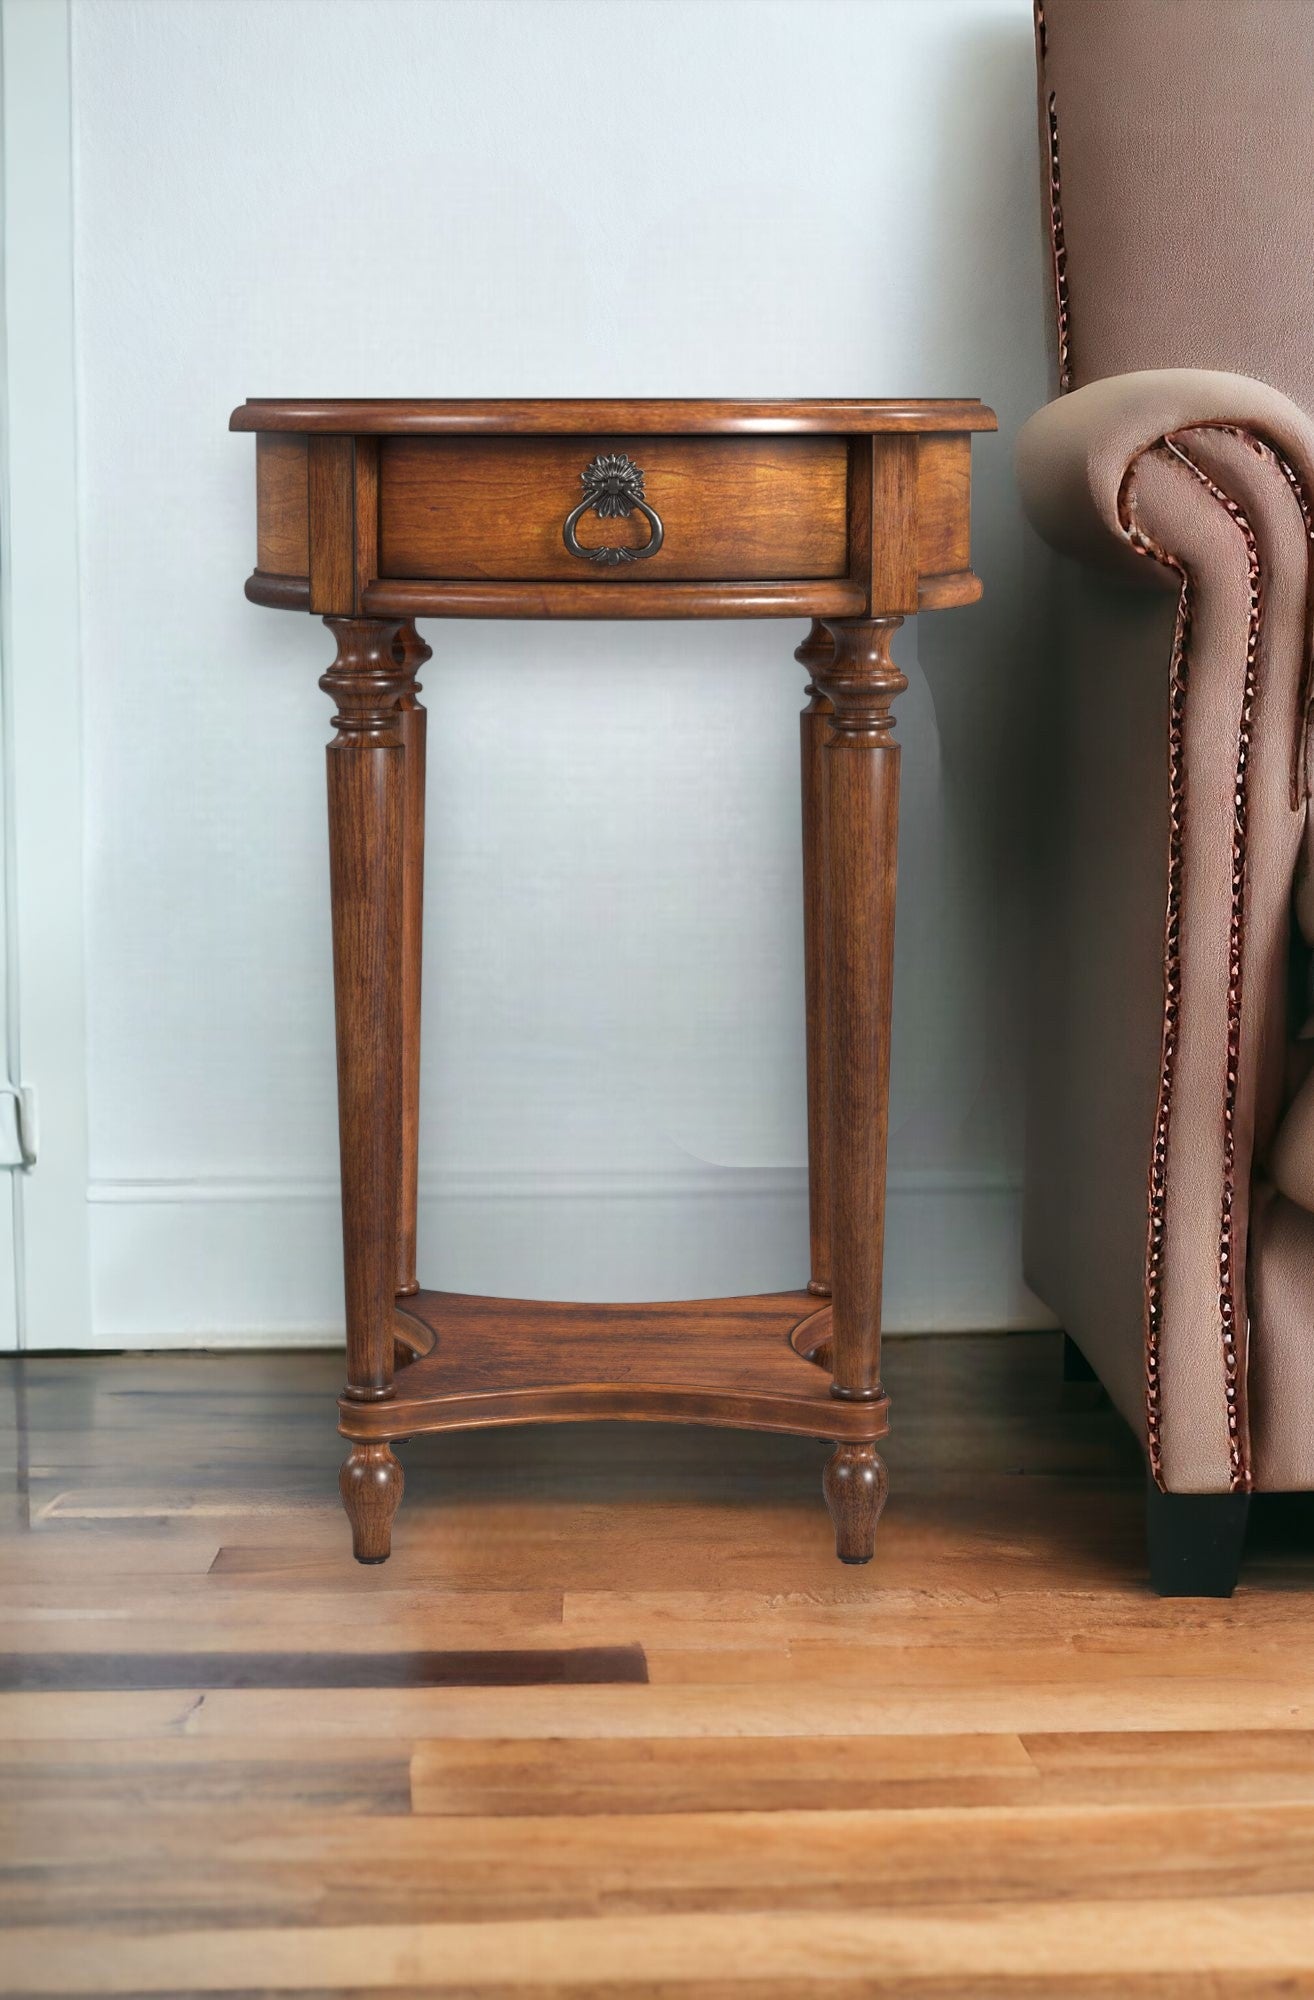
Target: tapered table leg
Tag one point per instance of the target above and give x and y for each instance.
(372, 674)
(412, 720)
(814, 727)
(861, 788)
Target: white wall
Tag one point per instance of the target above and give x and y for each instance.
(572, 197)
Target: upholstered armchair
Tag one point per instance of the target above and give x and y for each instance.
(1170, 1175)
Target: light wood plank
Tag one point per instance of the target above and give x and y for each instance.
(1056, 1782)
(1160, 1702)
(1134, 1940)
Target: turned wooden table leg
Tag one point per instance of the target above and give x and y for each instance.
(814, 728)
(412, 721)
(861, 818)
(372, 674)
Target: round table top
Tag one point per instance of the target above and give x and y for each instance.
(381, 416)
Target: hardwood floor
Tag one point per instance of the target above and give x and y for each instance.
(613, 1721)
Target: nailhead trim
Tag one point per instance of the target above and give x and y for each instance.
(1299, 789)
(1234, 1385)
(1179, 674)
(1058, 248)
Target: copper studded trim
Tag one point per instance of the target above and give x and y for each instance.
(1234, 1382)
(1299, 787)
(1058, 244)
(1299, 791)
(1265, 448)
(1238, 1424)
(1157, 1203)
(1234, 1387)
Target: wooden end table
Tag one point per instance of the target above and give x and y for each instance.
(374, 514)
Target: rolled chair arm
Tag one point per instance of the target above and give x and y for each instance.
(1204, 482)
(1074, 455)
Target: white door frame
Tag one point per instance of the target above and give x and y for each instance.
(40, 680)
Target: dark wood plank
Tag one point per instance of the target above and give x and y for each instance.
(567, 1666)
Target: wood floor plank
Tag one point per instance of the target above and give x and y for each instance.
(1161, 1702)
(933, 1616)
(100, 1559)
(889, 1773)
(990, 1765)
(505, 1666)
(89, 1867)
(1019, 1984)
(199, 1614)
(368, 1778)
(1132, 1941)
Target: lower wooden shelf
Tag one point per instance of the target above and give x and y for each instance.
(758, 1363)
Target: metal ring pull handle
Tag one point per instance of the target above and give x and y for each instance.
(613, 488)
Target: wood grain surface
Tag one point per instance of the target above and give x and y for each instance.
(413, 721)
(990, 1763)
(515, 1361)
(451, 519)
(651, 415)
(814, 728)
(741, 507)
(282, 504)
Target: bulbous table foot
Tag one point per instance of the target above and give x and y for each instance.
(855, 1484)
(371, 1485)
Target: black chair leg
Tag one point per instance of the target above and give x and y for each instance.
(1195, 1541)
(1076, 1368)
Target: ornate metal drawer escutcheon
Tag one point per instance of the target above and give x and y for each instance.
(613, 489)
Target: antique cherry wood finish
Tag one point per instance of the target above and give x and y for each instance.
(853, 514)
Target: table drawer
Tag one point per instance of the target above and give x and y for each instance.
(733, 507)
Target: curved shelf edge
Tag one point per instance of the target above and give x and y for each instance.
(617, 597)
(723, 1362)
(407, 598)
(410, 1332)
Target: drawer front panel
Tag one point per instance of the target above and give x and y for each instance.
(733, 507)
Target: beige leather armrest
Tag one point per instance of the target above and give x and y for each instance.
(1074, 456)
(1183, 812)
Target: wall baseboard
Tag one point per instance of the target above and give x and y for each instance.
(249, 1263)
